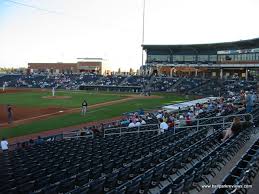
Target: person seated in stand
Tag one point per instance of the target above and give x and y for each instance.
(163, 126)
(137, 124)
(159, 115)
(4, 145)
(82, 132)
(132, 124)
(141, 112)
(181, 121)
(31, 142)
(234, 128)
(142, 121)
(188, 120)
(39, 141)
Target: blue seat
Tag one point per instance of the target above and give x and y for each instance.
(123, 174)
(111, 181)
(133, 186)
(145, 182)
(97, 186)
(158, 173)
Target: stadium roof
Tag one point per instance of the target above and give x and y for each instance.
(242, 44)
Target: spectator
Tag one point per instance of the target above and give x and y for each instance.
(249, 103)
(137, 124)
(163, 126)
(141, 112)
(159, 115)
(181, 121)
(4, 145)
(82, 132)
(234, 128)
(142, 121)
(132, 124)
(39, 141)
(188, 120)
(254, 98)
(31, 142)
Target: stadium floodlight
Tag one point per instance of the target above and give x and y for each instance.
(143, 30)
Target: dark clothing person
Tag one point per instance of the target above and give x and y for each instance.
(39, 141)
(236, 128)
(9, 114)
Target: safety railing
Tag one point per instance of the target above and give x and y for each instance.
(78, 134)
(127, 130)
(197, 123)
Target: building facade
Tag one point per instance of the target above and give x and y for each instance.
(229, 59)
(56, 68)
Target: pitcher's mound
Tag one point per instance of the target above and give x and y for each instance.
(56, 97)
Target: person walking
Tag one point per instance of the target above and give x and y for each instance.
(84, 108)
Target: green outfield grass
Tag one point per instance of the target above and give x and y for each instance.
(34, 99)
(101, 113)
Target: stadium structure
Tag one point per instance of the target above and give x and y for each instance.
(85, 65)
(227, 59)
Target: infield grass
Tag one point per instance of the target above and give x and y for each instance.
(96, 114)
(34, 99)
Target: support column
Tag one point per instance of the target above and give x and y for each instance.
(221, 73)
(196, 72)
(203, 74)
(171, 72)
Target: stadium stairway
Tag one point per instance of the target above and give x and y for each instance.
(255, 188)
(151, 80)
(195, 89)
(179, 81)
(217, 180)
(124, 81)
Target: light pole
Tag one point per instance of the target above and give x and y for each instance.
(143, 30)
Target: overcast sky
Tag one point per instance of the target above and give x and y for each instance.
(63, 30)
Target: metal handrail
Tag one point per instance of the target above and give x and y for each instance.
(127, 128)
(224, 117)
(198, 125)
(76, 134)
(128, 132)
(224, 123)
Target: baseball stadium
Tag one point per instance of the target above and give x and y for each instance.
(186, 122)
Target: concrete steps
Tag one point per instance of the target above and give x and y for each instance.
(217, 180)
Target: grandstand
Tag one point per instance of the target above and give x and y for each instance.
(127, 160)
(215, 60)
(185, 122)
(174, 148)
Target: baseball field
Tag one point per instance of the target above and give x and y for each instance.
(35, 110)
